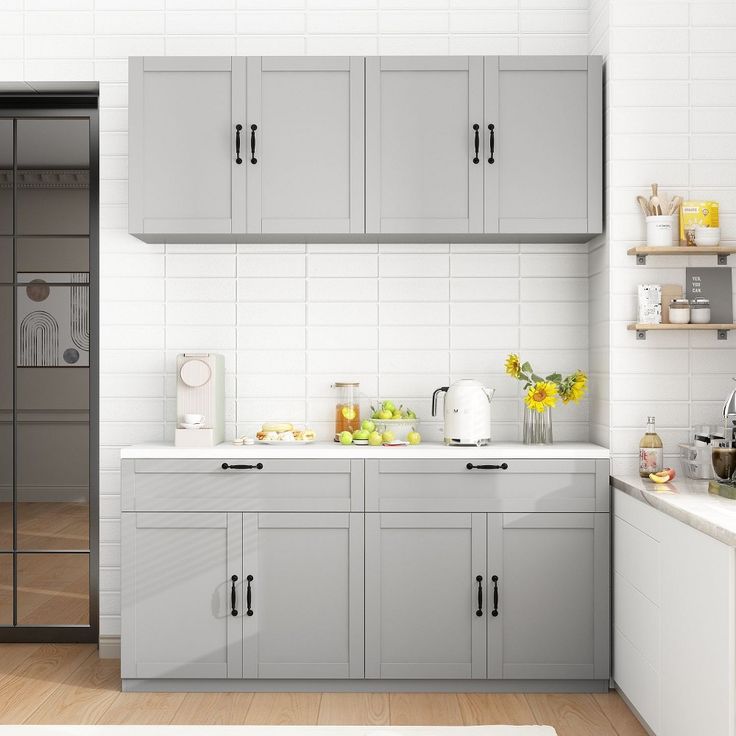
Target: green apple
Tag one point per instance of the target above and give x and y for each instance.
(414, 438)
(389, 406)
(368, 425)
(375, 439)
(376, 414)
(388, 436)
(397, 415)
(385, 414)
(346, 438)
(410, 414)
(361, 434)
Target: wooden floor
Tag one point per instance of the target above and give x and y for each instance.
(69, 684)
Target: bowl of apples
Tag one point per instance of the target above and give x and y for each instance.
(397, 420)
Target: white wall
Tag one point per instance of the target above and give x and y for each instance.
(671, 118)
(290, 320)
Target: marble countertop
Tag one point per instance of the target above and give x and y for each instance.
(688, 501)
(330, 450)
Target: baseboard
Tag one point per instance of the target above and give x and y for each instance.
(109, 647)
(636, 713)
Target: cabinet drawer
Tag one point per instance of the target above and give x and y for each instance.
(278, 485)
(523, 486)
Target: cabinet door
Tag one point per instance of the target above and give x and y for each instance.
(546, 175)
(305, 144)
(184, 176)
(420, 144)
(422, 596)
(552, 585)
(177, 585)
(305, 572)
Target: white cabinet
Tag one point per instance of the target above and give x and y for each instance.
(422, 172)
(177, 583)
(306, 577)
(674, 589)
(183, 178)
(305, 124)
(421, 596)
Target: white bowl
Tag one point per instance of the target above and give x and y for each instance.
(707, 236)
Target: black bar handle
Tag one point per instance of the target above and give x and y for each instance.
(249, 612)
(494, 612)
(257, 466)
(476, 127)
(233, 597)
(479, 580)
(238, 128)
(253, 129)
(492, 128)
(502, 466)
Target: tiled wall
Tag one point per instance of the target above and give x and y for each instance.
(290, 320)
(671, 118)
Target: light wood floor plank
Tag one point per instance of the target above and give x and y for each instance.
(618, 713)
(13, 655)
(480, 709)
(34, 679)
(144, 709)
(284, 709)
(571, 714)
(425, 709)
(357, 709)
(84, 696)
(213, 709)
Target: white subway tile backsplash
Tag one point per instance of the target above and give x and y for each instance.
(413, 290)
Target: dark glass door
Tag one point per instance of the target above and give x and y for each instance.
(46, 510)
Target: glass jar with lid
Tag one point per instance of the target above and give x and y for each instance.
(347, 407)
(679, 311)
(700, 311)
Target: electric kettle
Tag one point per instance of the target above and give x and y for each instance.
(467, 412)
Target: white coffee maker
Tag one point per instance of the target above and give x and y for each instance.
(200, 400)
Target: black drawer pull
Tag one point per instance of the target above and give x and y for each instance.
(233, 597)
(253, 129)
(257, 466)
(238, 128)
(492, 128)
(494, 612)
(476, 127)
(479, 580)
(502, 466)
(249, 612)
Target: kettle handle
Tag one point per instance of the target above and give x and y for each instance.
(434, 399)
(489, 392)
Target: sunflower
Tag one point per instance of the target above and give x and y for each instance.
(541, 395)
(513, 365)
(573, 387)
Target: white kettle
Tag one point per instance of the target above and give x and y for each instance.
(467, 412)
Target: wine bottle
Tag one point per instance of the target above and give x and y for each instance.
(651, 454)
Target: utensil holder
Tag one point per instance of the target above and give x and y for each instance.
(661, 230)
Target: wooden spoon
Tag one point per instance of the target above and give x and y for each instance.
(675, 205)
(655, 205)
(643, 205)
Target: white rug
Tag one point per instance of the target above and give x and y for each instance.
(277, 730)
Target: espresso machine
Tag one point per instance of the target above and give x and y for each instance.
(724, 452)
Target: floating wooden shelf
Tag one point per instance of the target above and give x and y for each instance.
(641, 328)
(722, 251)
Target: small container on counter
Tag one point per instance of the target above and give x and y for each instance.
(679, 312)
(661, 230)
(700, 311)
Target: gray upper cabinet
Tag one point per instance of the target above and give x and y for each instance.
(183, 179)
(552, 584)
(421, 596)
(546, 138)
(305, 121)
(420, 175)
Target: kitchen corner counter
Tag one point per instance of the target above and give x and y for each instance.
(333, 450)
(687, 501)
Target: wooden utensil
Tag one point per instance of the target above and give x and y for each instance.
(643, 203)
(655, 205)
(675, 205)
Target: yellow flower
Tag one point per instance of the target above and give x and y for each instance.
(513, 365)
(541, 395)
(573, 387)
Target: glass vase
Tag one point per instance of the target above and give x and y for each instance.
(537, 427)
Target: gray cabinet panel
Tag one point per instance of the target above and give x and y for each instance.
(182, 117)
(421, 595)
(546, 175)
(553, 614)
(176, 586)
(307, 595)
(308, 170)
(420, 175)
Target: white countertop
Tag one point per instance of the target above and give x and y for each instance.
(331, 450)
(688, 501)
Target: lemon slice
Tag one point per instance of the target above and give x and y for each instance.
(348, 412)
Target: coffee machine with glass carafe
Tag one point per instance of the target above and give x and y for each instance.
(724, 450)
